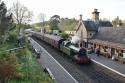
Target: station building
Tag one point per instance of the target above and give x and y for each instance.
(100, 34)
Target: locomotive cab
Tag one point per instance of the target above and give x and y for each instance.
(82, 57)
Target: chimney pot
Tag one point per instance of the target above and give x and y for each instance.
(80, 16)
(95, 10)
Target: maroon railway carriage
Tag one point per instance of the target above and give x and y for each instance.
(53, 40)
(38, 35)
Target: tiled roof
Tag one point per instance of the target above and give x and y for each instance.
(105, 24)
(112, 35)
(90, 25)
(93, 26)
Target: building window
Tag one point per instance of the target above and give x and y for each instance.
(90, 34)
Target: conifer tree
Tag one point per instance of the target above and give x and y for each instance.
(6, 21)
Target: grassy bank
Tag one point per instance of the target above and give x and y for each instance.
(20, 66)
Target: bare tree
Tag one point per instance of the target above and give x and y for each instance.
(21, 14)
(41, 17)
(28, 17)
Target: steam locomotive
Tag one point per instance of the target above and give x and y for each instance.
(64, 46)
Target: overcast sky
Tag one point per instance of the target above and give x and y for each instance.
(109, 9)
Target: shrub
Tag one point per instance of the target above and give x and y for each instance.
(6, 71)
(64, 35)
(12, 36)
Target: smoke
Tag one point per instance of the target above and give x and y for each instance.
(75, 39)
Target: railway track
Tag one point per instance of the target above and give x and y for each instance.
(92, 73)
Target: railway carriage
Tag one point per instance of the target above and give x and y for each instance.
(38, 35)
(53, 40)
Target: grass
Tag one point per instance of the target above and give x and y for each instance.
(5, 47)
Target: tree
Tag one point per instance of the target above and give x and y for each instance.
(67, 24)
(117, 21)
(42, 19)
(6, 22)
(123, 22)
(54, 21)
(21, 14)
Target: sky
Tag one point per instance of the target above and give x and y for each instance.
(109, 9)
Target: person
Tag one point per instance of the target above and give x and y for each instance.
(98, 52)
(113, 57)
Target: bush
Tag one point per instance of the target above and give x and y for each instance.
(6, 71)
(64, 35)
(12, 37)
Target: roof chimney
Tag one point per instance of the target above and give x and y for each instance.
(80, 16)
(95, 15)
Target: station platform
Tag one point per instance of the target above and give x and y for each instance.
(59, 73)
(115, 66)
